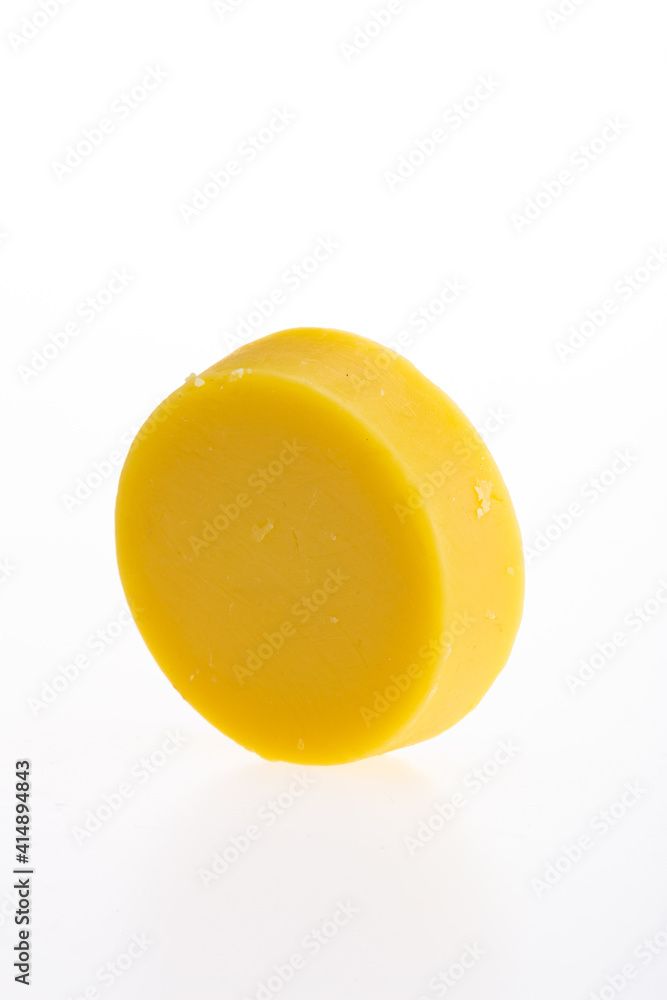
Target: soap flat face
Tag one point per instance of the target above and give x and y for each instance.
(318, 549)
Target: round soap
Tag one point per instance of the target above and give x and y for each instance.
(319, 550)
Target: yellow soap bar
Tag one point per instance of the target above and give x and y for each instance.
(319, 550)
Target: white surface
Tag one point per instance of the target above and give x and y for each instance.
(344, 839)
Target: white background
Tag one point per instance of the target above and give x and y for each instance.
(480, 881)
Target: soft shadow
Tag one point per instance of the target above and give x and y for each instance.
(291, 843)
